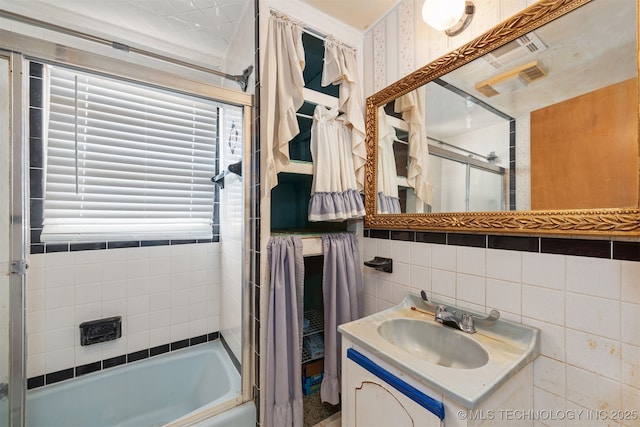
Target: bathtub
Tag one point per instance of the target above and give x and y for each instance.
(150, 392)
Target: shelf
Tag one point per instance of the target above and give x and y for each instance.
(316, 326)
(299, 167)
(316, 323)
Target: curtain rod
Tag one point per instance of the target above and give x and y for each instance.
(306, 116)
(457, 148)
(302, 235)
(241, 79)
(310, 30)
(324, 37)
(444, 143)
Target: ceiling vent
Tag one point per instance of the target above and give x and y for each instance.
(511, 80)
(518, 49)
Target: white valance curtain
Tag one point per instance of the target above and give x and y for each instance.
(334, 190)
(412, 107)
(387, 184)
(341, 68)
(282, 85)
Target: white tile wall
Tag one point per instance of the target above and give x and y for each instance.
(590, 323)
(164, 294)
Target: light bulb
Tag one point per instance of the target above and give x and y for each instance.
(442, 14)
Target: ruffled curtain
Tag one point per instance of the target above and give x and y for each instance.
(412, 107)
(283, 389)
(342, 293)
(387, 185)
(334, 191)
(282, 86)
(340, 68)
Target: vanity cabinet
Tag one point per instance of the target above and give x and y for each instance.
(373, 396)
(377, 393)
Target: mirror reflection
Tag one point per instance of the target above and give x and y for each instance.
(548, 121)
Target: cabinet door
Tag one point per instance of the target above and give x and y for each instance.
(376, 405)
(369, 401)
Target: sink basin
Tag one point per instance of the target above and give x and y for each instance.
(435, 343)
(466, 368)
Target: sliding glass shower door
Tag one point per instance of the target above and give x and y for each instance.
(4, 243)
(12, 243)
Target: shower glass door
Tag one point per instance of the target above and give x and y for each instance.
(12, 238)
(4, 244)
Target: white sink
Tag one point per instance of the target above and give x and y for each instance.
(442, 346)
(464, 367)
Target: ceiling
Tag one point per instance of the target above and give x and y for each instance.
(587, 49)
(200, 30)
(197, 30)
(359, 14)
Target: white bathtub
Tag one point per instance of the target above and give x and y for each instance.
(150, 392)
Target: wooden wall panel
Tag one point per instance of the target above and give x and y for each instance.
(584, 151)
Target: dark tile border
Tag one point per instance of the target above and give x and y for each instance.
(198, 340)
(593, 248)
(232, 356)
(56, 377)
(161, 349)
(138, 355)
(40, 248)
(87, 246)
(471, 240)
(380, 234)
(577, 247)
(404, 236)
(177, 345)
(123, 359)
(114, 361)
(88, 368)
(35, 382)
(123, 244)
(429, 237)
(628, 251)
(512, 243)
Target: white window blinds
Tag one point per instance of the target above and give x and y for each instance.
(126, 161)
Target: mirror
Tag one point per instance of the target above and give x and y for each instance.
(530, 128)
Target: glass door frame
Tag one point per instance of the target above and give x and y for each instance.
(18, 211)
(23, 49)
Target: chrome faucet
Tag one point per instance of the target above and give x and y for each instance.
(463, 321)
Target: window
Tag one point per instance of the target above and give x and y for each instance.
(290, 198)
(126, 161)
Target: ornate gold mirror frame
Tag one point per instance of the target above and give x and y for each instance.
(611, 222)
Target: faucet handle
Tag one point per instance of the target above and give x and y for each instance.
(467, 324)
(427, 301)
(493, 316)
(440, 309)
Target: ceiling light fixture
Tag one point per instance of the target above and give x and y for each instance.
(450, 16)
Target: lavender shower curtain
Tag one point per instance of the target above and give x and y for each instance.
(283, 359)
(342, 294)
